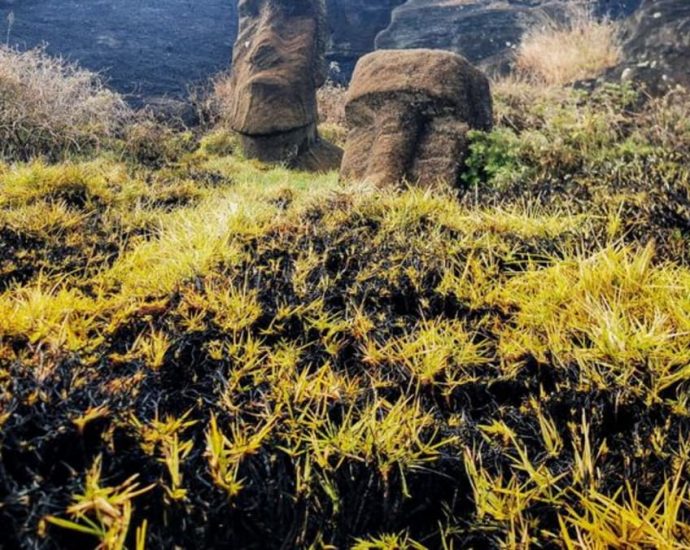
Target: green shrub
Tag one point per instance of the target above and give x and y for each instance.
(493, 159)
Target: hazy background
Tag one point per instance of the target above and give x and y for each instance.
(146, 47)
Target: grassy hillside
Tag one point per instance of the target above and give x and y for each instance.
(197, 350)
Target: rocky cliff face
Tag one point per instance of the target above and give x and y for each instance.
(354, 25)
(657, 45)
(484, 31)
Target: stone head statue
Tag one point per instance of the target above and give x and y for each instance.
(409, 112)
(278, 63)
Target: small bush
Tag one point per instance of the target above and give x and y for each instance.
(665, 121)
(520, 104)
(51, 107)
(214, 102)
(153, 143)
(331, 102)
(219, 142)
(493, 158)
(579, 48)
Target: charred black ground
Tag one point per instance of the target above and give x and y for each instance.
(283, 361)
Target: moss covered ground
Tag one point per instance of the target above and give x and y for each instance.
(206, 352)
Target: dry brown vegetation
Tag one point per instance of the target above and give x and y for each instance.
(219, 98)
(331, 101)
(577, 48)
(49, 106)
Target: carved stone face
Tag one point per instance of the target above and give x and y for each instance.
(404, 137)
(277, 66)
(409, 113)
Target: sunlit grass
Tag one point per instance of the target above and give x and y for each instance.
(332, 365)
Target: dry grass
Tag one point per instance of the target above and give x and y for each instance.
(219, 98)
(50, 106)
(331, 101)
(331, 104)
(579, 48)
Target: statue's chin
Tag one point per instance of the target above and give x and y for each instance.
(280, 146)
(259, 124)
(269, 108)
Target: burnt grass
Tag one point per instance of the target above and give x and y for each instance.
(24, 256)
(312, 273)
(44, 454)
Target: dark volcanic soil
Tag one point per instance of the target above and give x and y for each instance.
(146, 47)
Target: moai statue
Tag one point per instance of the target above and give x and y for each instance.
(278, 64)
(409, 112)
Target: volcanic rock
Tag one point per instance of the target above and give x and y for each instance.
(657, 46)
(353, 26)
(409, 112)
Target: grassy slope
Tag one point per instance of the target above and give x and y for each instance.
(284, 360)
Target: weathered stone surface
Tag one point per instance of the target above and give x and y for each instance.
(657, 46)
(278, 63)
(409, 112)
